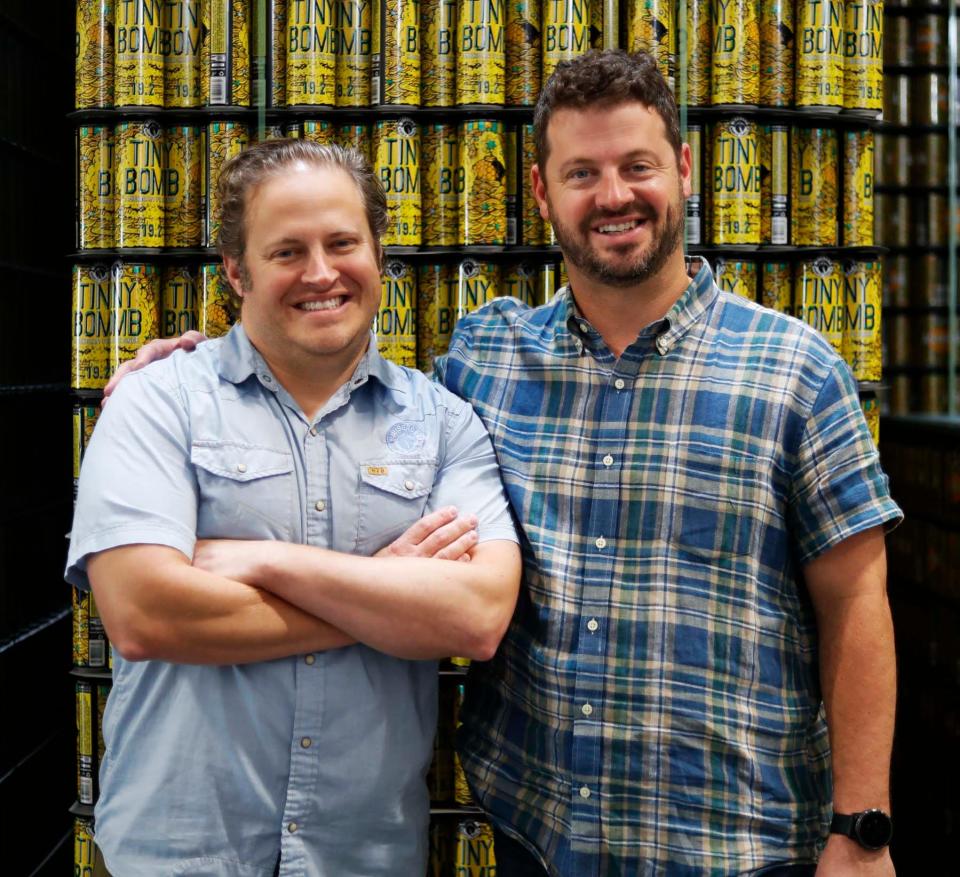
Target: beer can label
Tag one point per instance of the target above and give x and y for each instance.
(225, 53)
(532, 231)
(292, 130)
(522, 281)
(777, 287)
(311, 53)
(442, 180)
(863, 55)
(861, 321)
(95, 54)
(138, 57)
(269, 72)
(135, 315)
(355, 136)
(694, 205)
(436, 311)
(354, 52)
(650, 29)
(268, 132)
(139, 184)
(523, 52)
(871, 413)
(481, 52)
(224, 141)
(84, 852)
(697, 52)
(735, 71)
(819, 298)
(477, 283)
(776, 53)
(102, 694)
(178, 305)
(475, 857)
(814, 204)
(775, 183)
(81, 598)
(483, 215)
(819, 76)
(92, 302)
(96, 636)
(736, 182)
(396, 59)
(319, 131)
(95, 195)
(396, 322)
(858, 161)
(566, 32)
(182, 192)
(397, 163)
(438, 54)
(737, 277)
(215, 313)
(181, 53)
(86, 769)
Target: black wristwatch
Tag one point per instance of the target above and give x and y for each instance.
(872, 829)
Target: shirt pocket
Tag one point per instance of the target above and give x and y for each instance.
(391, 495)
(246, 491)
(714, 508)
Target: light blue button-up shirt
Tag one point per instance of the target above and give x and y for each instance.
(318, 759)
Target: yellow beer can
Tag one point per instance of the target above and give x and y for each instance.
(818, 298)
(95, 194)
(135, 310)
(178, 303)
(436, 311)
(269, 70)
(292, 130)
(863, 57)
(138, 184)
(225, 53)
(564, 277)
(183, 189)
(861, 319)
(396, 323)
(871, 413)
(86, 765)
(858, 190)
(354, 135)
(396, 149)
(736, 186)
(97, 645)
(138, 54)
(532, 227)
(523, 52)
(566, 33)
(776, 286)
(396, 53)
(319, 131)
(80, 601)
(596, 25)
(483, 199)
(738, 277)
(84, 851)
(95, 54)
(814, 202)
(438, 54)
(697, 52)
(268, 132)
(650, 29)
(481, 52)
(103, 692)
(224, 140)
(511, 143)
(216, 310)
(354, 53)
(475, 856)
(311, 53)
(694, 205)
(90, 350)
(820, 62)
(735, 71)
(181, 53)
(522, 281)
(441, 182)
(776, 53)
(477, 283)
(775, 184)
(549, 280)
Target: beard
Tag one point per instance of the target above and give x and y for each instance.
(667, 236)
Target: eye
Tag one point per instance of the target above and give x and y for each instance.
(282, 255)
(639, 168)
(579, 174)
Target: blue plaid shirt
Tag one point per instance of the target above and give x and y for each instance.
(655, 707)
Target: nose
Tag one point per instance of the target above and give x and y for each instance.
(319, 269)
(613, 192)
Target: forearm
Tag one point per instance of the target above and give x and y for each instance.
(156, 606)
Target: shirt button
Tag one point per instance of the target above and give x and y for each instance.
(619, 383)
(586, 709)
(309, 659)
(579, 345)
(408, 484)
(267, 379)
(241, 467)
(292, 827)
(662, 345)
(592, 625)
(306, 742)
(313, 430)
(608, 460)
(584, 792)
(601, 543)
(320, 505)
(584, 327)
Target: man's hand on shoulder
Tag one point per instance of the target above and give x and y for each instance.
(159, 348)
(843, 857)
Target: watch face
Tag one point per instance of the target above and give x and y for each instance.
(874, 829)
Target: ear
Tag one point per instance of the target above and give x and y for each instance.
(539, 188)
(231, 267)
(686, 162)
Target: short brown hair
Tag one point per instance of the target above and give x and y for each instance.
(605, 78)
(244, 172)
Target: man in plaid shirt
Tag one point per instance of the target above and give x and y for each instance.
(703, 511)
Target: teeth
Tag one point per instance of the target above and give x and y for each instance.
(327, 305)
(623, 226)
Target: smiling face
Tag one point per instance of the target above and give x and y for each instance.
(310, 279)
(614, 190)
